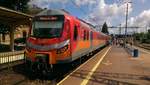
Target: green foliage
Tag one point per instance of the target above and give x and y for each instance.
(143, 37)
(33, 10)
(4, 29)
(105, 28)
(148, 30)
(148, 35)
(19, 5)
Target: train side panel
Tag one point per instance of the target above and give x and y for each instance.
(84, 40)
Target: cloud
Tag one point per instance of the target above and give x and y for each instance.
(46, 3)
(84, 2)
(109, 13)
(100, 12)
(143, 19)
(104, 12)
(143, 1)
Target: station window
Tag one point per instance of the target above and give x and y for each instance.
(75, 33)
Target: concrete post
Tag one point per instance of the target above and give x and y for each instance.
(12, 30)
(0, 39)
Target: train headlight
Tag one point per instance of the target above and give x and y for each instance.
(62, 50)
(28, 49)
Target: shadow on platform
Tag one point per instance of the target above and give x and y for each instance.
(111, 78)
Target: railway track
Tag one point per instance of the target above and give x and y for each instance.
(20, 75)
(145, 46)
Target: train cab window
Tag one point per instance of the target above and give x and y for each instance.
(75, 33)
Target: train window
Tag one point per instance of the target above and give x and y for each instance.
(75, 33)
(84, 38)
(99, 37)
(91, 35)
(87, 35)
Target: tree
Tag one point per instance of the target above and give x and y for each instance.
(149, 31)
(4, 29)
(33, 10)
(18, 5)
(148, 35)
(105, 28)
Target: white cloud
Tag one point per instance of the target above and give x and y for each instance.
(84, 2)
(100, 11)
(143, 1)
(46, 3)
(108, 13)
(143, 19)
(104, 12)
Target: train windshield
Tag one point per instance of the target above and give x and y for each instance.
(47, 29)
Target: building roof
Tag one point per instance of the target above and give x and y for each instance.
(8, 16)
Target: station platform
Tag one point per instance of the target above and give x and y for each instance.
(112, 66)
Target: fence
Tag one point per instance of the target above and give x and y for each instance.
(6, 59)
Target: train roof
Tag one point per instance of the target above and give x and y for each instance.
(59, 12)
(86, 23)
(47, 12)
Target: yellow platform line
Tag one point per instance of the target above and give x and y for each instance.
(88, 77)
(59, 83)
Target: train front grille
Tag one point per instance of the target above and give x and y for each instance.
(42, 58)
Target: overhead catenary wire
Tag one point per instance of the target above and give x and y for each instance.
(83, 11)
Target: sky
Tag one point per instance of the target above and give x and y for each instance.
(112, 12)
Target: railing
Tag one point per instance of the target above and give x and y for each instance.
(6, 59)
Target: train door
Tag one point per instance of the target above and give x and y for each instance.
(91, 40)
(75, 35)
(75, 38)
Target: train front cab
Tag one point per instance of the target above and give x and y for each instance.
(46, 50)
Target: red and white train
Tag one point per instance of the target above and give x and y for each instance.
(57, 37)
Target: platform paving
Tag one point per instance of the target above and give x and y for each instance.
(117, 68)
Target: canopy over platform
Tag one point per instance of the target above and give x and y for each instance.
(8, 16)
(13, 19)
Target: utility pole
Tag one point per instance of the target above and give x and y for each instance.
(126, 26)
(120, 30)
(126, 21)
